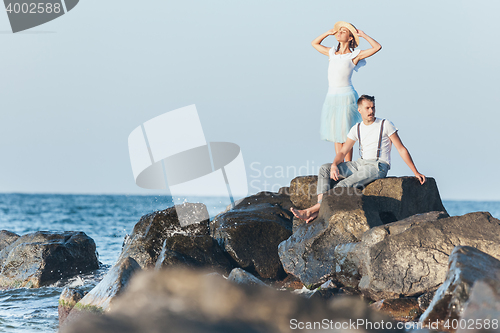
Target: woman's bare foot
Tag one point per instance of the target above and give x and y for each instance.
(305, 214)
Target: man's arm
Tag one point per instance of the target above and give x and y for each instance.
(339, 158)
(405, 155)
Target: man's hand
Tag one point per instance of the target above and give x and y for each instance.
(420, 177)
(334, 172)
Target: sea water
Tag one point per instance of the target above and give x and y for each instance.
(107, 219)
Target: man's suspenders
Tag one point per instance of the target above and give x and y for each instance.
(379, 140)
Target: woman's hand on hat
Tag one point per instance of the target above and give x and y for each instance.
(332, 32)
(361, 33)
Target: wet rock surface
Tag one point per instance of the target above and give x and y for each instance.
(145, 243)
(113, 283)
(194, 251)
(100, 298)
(195, 302)
(68, 299)
(251, 231)
(345, 215)
(466, 266)
(41, 258)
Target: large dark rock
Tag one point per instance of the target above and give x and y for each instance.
(410, 257)
(193, 251)
(187, 301)
(252, 230)
(41, 258)
(466, 266)
(145, 243)
(7, 238)
(302, 191)
(345, 215)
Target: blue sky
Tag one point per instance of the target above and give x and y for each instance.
(73, 89)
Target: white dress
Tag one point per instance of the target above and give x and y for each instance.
(340, 111)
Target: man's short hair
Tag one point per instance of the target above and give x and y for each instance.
(366, 98)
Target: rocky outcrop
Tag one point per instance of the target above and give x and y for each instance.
(158, 240)
(187, 301)
(251, 231)
(145, 243)
(41, 258)
(345, 215)
(193, 251)
(410, 257)
(466, 266)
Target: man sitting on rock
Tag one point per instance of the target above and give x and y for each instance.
(377, 136)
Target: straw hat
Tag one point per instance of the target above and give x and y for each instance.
(349, 26)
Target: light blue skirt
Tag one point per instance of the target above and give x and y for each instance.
(340, 113)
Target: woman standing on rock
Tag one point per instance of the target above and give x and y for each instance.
(340, 108)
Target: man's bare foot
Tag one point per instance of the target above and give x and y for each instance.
(312, 217)
(304, 214)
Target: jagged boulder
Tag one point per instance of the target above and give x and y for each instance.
(466, 266)
(100, 298)
(193, 251)
(251, 231)
(188, 301)
(41, 258)
(145, 243)
(345, 215)
(302, 191)
(410, 257)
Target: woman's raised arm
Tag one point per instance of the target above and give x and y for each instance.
(369, 52)
(316, 43)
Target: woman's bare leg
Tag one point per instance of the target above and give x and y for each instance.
(338, 147)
